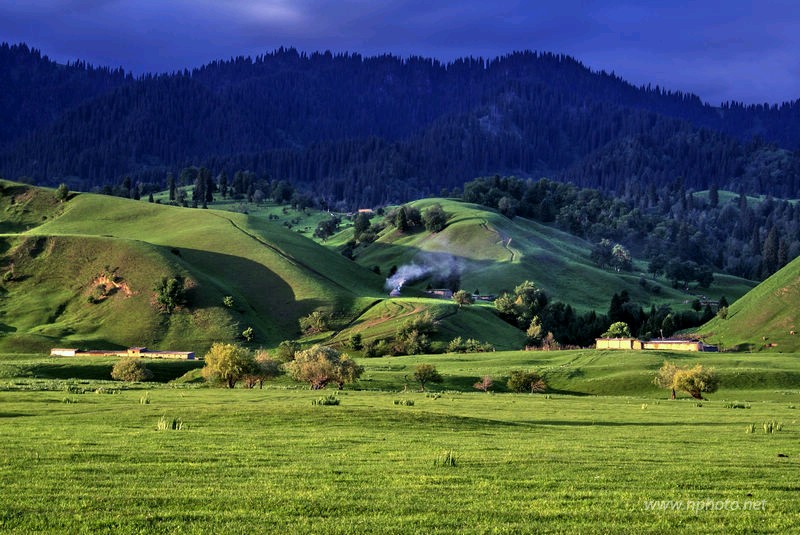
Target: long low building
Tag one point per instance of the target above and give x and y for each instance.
(664, 345)
(130, 352)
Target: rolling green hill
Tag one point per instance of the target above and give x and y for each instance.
(82, 274)
(494, 254)
(274, 275)
(764, 318)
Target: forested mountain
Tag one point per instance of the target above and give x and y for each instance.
(366, 131)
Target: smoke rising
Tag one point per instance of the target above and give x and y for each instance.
(445, 270)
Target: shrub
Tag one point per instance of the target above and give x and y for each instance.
(446, 458)
(248, 334)
(435, 218)
(426, 373)
(170, 293)
(484, 384)
(320, 365)
(227, 363)
(526, 381)
(316, 322)
(327, 400)
(167, 424)
(459, 345)
(131, 369)
(355, 342)
(736, 405)
(286, 350)
(413, 336)
(228, 301)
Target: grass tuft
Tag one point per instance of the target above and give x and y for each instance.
(167, 424)
(446, 458)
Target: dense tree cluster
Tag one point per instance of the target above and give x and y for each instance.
(551, 324)
(365, 131)
(685, 235)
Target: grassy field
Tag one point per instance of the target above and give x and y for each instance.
(269, 461)
(603, 452)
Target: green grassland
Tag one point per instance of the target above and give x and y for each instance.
(765, 317)
(495, 254)
(89, 457)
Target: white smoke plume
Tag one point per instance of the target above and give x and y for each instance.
(406, 273)
(441, 265)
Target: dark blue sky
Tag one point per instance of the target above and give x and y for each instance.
(721, 50)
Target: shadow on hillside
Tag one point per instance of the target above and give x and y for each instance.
(256, 289)
(567, 423)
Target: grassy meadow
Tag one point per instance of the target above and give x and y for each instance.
(84, 454)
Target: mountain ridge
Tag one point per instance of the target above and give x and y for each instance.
(372, 130)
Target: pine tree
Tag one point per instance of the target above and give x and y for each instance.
(713, 195)
(770, 253)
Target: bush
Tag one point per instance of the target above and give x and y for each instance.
(131, 369)
(435, 218)
(526, 381)
(355, 342)
(459, 345)
(286, 350)
(228, 363)
(375, 349)
(316, 322)
(320, 365)
(326, 400)
(426, 373)
(413, 336)
(170, 293)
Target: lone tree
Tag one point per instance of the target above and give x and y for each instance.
(170, 293)
(694, 381)
(316, 322)
(463, 297)
(131, 369)
(521, 381)
(264, 368)
(228, 363)
(434, 218)
(484, 384)
(62, 192)
(426, 373)
(320, 365)
(618, 329)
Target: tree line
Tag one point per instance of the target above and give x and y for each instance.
(364, 131)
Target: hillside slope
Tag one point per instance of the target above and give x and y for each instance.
(275, 276)
(764, 318)
(83, 273)
(492, 253)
